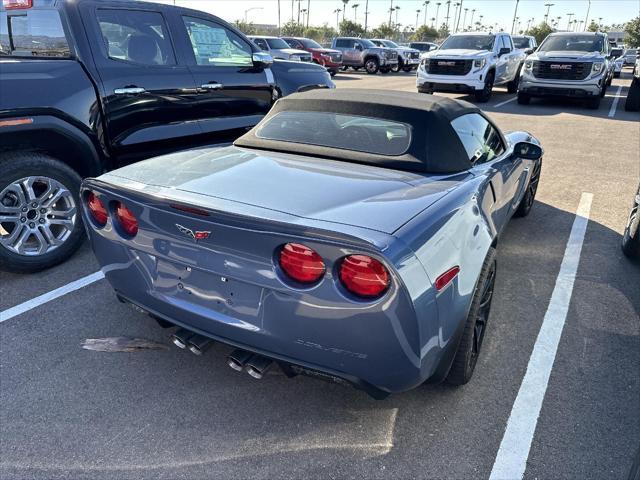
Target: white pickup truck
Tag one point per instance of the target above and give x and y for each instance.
(472, 63)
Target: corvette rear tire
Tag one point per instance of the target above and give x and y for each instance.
(40, 212)
(466, 357)
(530, 195)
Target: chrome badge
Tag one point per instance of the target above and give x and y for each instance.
(196, 235)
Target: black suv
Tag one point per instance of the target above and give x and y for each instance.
(88, 85)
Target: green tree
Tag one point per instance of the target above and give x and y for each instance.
(322, 34)
(593, 27)
(443, 31)
(383, 31)
(292, 29)
(541, 31)
(425, 33)
(247, 28)
(351, 29)
(632, 29)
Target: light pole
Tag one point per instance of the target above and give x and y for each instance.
(366, 16)
(587, 17)
(426, 6)
(337, 12)
(355, 12)
(515, 13)
(304, 15)
(447, 17)
(248, 10)
(298, 12)
(397, 8)
(417, 17)
(546, 16)
(390, 13)
(279, 30)
(437, 11)
(308, 11)
(464, 20)
(569, 23)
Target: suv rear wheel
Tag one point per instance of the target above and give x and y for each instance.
(40, 223)
(484, 95)
(371, 65)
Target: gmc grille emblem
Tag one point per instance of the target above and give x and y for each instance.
(560, 67)
(196, 235)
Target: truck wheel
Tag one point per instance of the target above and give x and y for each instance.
(632, 103)
(594, 102)
(512, 86)
(398, 66)
(484, 95)
(523, 98)
(40, 224)
(466, 356)
(372, 66)
(530, 194)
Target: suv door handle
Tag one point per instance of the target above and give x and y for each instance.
(129, 90)
(212, 86)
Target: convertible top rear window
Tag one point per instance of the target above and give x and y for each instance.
(340, 131)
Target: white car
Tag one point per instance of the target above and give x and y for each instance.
(280, 49)
(471, 63)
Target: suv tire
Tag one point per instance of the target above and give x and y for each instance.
(484, 95)
(524, 98)
(475, 327)
(371, 65)
(512, 86)
(49, 206)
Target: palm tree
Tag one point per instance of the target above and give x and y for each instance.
(426, 6)
(345, 8)
(355, 12)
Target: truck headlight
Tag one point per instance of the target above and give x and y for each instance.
(597, 67)
(479, 63)
(528, 64)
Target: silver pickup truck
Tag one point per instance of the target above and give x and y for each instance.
(361, 53)
(568, 64)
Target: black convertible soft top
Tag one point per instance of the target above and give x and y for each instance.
(435, 147)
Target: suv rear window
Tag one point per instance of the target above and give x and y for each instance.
(334, 130)
(33, 33)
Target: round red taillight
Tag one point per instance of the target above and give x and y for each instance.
(364, 276)
(97, 209)
(126, 219)
(301, 263)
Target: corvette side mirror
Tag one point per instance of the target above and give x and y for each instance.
(528, 151)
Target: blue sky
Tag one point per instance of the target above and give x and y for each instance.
(493, 11)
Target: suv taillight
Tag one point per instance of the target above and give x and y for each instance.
(301, 263)
(126, 220)
(364, 276)
(97, 209)
(17, 4)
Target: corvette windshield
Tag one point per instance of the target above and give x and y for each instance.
(469, 42)
(572, 43)
(334, 130)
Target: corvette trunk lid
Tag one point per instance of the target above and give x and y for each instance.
(285, 187)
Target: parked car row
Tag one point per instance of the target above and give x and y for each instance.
(108, 83)
(566, 64)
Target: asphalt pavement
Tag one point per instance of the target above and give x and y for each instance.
(66, 412)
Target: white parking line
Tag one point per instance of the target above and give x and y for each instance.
(511, 460)
(505, 102)
(612, 110)
(52, 295)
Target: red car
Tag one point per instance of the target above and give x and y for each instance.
(328, 58)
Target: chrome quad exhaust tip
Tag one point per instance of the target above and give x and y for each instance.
(181, 338)
(257, 366)
(199, 344)
(237, 359)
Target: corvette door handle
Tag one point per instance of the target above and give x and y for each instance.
(212, 86)
(129, 90)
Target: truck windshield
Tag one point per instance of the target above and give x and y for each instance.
(308, 43)
(277, 43)
(469, 42)
(520, 42)
(573, 43)
(366, 43)
(389, 43)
